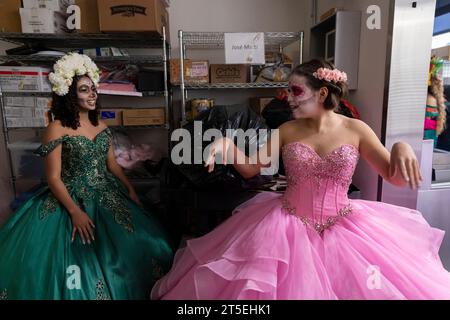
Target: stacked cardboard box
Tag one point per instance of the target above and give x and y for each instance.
(45, 16)
(132, 15)
(142, 117)
(24, 79)
(228, 73)
(195, 71)
(112, 117)
(89, 16)
(9, 15)
(133, 117)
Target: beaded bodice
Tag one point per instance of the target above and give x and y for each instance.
(81, 158)
(86, 176)
(317, 186)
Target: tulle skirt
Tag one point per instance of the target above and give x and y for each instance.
(379, 251)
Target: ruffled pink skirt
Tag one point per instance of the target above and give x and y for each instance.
(379, 251)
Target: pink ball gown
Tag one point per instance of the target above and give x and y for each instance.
(312, 242)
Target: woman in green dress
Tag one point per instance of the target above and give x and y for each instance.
(86, 235)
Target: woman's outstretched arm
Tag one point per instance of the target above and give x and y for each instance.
(247, 167)
(399, 167)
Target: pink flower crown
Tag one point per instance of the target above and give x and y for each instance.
(330, 75)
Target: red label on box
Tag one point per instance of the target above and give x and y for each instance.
(22, 73)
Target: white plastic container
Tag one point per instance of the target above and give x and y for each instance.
(55, 5)
(24, 79)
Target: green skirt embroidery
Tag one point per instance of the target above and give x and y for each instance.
(130, 252)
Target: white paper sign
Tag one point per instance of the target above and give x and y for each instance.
(245, 48)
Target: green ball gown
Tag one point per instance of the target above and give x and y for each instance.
(38, 260)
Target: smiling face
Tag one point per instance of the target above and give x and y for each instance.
(87, 94)
(303, 100)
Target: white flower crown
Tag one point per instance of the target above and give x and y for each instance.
(69, 66)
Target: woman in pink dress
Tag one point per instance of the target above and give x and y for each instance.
(313, 242)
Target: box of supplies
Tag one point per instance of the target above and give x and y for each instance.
(143, 117)
(42, 21)
(9, 16)
(24, 79)
(228, 73)
(195, 71)
(132, 15)
(112, 117)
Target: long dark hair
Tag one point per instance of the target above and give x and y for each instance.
(336, 91)
(65, 108)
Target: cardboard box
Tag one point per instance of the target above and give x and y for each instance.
(89, 16)
(9, 16)
(258, 104)
(42, 21)
(142, 117)
(132, 15)
(228, 73)
(24, 79)
(112, 117)
(55, 5)
(195, 71)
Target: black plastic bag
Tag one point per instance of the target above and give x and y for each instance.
(222, 118)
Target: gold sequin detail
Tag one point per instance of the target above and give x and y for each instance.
(158, 271)
(49, 206)
(117, 205)
(100, 291)
(85, 175)
(320, 227)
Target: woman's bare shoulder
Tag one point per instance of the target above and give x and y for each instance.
(53, 131)
(290, 125)
(356, 125)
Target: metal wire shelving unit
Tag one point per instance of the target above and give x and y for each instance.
(273, 41)
(69, 42)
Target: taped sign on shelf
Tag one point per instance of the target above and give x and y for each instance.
(245, 48)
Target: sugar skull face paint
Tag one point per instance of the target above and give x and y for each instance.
(295, 90)
(87, 94)
(303, 100)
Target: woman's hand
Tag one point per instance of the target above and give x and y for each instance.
(84, 225)
(135, 197)
(222, 146)
(403, 160)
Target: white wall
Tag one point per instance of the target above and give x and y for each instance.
(369, 96)
(236, 15)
